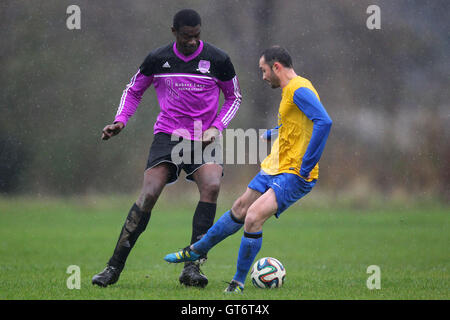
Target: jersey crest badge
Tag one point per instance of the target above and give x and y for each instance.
(203, 66)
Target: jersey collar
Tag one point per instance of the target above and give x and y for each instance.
(189, 57)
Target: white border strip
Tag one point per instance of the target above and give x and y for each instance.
(235, 106)
(125, 93)
(182, 75)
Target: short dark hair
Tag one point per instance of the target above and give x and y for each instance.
(186, 17)
(277, 54)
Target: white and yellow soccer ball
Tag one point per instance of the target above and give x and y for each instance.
(268, 273)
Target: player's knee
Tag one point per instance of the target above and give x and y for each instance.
(147, 200)
(253, 222)
(239, 209)
(209, 191)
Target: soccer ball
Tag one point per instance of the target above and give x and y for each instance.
(268, 273)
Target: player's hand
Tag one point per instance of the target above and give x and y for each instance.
(112, 130)
(266, 136)
(210, 135)
(270, 134)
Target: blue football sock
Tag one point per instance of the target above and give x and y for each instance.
(225, 226)
(250, 246)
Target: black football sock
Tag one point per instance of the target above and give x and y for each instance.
(134, 225)
(202, 221)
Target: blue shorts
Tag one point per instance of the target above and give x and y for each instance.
(288, 187)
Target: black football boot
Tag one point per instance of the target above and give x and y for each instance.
(192, 275)
(108, 276)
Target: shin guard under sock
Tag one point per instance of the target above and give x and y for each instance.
(203, 220)
(250, 246)
(134, 225)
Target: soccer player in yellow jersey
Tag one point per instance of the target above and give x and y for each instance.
(287, 174)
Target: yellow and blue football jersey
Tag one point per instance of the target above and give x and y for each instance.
(303, 128)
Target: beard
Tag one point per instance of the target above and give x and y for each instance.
(274, 86)
(274, 81)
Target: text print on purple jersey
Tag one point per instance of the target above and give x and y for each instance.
(171, 92)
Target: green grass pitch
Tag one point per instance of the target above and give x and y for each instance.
(326, 252)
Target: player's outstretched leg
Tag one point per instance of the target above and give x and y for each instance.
(229, 223)
(225, 226)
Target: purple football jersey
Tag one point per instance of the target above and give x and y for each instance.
(188, 90)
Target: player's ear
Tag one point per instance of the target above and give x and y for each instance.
(174, 31)
(276, 66)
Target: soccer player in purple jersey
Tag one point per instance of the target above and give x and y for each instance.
(188, 76)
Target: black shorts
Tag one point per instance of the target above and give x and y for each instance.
(190, 158)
